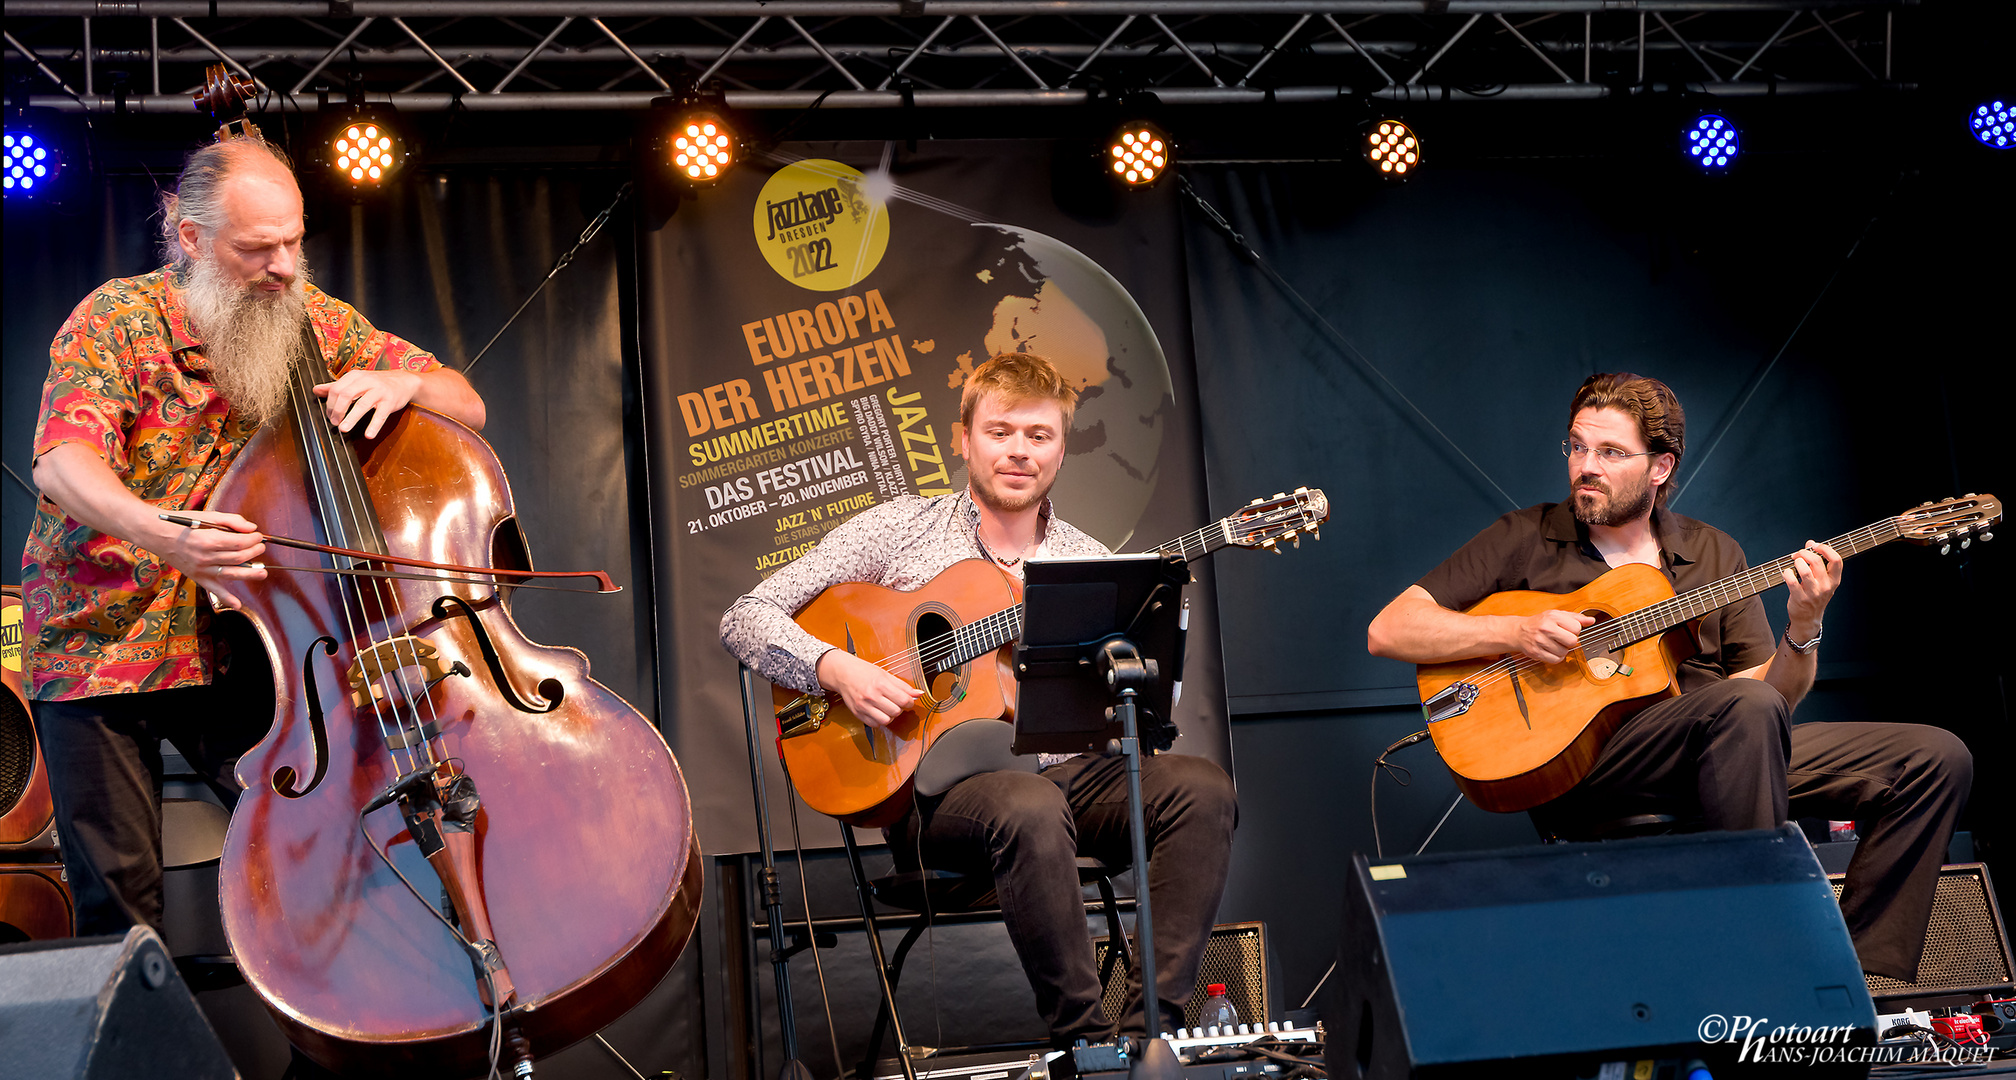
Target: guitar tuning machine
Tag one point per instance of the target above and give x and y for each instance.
(1280, 494)
(1272, 545)
(1256, 502)
(1987, 536)
(1315, 533)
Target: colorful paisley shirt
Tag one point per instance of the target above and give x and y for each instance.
(128, 377)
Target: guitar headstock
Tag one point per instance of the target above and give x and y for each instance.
(1951, 521)
(1264, 523)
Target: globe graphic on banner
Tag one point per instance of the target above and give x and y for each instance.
(1085, 322)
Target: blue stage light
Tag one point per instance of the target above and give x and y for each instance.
(1994, 124)
(32, 164)
(1712, 142)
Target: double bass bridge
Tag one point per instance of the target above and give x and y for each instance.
(386, 662)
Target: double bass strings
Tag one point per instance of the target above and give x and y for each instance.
(346, 507)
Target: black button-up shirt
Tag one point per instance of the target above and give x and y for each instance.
(1544, 548)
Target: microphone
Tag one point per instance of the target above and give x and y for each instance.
(398, 788)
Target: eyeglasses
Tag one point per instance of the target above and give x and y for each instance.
(1571, 450)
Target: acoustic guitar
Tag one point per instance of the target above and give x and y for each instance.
(939, 638)
(1517, 732)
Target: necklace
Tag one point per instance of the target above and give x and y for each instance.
(1010, 563)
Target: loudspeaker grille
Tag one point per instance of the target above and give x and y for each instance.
(1237, 957)
(17, 750)
(1963, 943)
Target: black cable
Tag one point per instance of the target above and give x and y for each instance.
(805, 896)
(475, 954)
(1401, 776)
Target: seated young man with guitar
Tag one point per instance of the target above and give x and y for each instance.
(1024, 829)
(1724, 748)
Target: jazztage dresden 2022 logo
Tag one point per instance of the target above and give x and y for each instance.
(818, 228)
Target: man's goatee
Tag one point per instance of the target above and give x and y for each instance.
(249, 335)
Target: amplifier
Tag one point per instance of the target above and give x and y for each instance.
(1966, 944)
(27, 817)
(1237, 956)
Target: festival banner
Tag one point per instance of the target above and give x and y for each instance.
(808, 327)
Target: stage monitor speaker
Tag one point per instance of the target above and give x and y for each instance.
(1966, 944)
(1566, 959)
(1237, 956)
(92, 1008)
(27, 818)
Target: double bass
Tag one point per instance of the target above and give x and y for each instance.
(453, 844)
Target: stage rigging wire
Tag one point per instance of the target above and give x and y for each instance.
(1756, 381)
(1246, 250)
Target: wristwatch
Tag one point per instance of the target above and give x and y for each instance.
(1802, 647)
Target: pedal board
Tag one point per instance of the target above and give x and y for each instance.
(1208, 1054)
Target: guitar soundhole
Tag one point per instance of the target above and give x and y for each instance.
(1601, 617)
(933, 630)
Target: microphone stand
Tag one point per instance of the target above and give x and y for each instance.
(1126, 675)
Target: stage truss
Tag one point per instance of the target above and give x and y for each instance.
(535, 55)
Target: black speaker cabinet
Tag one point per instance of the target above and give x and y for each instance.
(1566, 957)
(107, 1007)
(1237, 956)
(1966, 945)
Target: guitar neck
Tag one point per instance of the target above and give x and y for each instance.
(982, 636)
(1663, 616)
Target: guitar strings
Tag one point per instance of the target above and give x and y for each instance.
(1652, 619)
(936, 654)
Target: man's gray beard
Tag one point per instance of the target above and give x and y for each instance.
(250, 336)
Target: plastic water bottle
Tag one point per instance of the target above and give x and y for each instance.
(1217, 1011)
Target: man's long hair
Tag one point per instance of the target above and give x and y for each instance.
(1661, 421)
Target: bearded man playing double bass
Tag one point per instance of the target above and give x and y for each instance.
(155, 384)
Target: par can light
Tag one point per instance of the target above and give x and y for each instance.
(702, 147)
(1993, 124)
(1712, 142)
(1139, 154)
(1393, 148)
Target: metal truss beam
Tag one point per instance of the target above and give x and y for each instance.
(614, 55)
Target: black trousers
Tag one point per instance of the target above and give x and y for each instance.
(1028, 830)
(1730, 754)
(105, 773)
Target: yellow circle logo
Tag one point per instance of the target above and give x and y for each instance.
(10, 635)
(818, 227)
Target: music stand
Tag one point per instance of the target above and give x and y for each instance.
(1101, 643)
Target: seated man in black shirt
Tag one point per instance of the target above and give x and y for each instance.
(1725, 749)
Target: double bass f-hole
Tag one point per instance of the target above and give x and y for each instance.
(551, 689)
(284, 776)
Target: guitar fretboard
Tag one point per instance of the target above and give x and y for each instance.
(984, 635)
(1658, 618)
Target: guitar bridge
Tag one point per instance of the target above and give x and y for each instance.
(803, 715)
(1452, 700)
